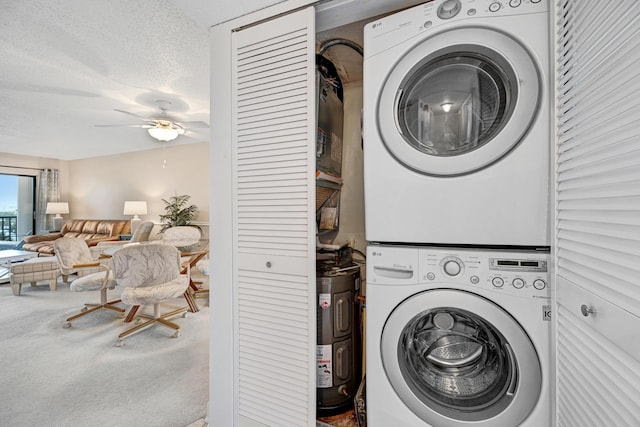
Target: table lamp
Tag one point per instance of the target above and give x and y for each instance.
(135, 208)
(57, 208)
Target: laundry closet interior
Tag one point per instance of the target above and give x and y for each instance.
(269, 201)
(272, 327)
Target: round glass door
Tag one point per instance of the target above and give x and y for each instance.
(455, 358)
(453, 105)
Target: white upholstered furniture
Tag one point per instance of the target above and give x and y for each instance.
(193, 249)
(141, 234)
(74, 256)
(150, 275)
(184, 237)
(34, 270)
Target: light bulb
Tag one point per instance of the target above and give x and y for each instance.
(446, 106)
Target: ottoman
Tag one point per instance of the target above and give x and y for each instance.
(34, 270)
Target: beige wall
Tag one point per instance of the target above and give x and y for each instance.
(99, 186)
(31, 166)
(96, 188)
(352, 197)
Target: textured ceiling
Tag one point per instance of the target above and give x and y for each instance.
(211, 12)
(67, 64)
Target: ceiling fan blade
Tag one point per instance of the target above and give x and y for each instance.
(131, 114)
(194, 124)
(124, 126)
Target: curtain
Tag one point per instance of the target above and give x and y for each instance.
(48, 191)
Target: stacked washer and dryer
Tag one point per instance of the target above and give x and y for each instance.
(456, 158)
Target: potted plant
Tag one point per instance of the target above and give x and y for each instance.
(177, 212)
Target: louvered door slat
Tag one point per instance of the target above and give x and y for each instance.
(598, 213)
(598, 383)
(274, 232)
(267, 95)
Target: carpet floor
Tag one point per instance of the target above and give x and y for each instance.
(51, 376)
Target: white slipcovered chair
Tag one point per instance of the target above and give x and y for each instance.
(150, 275)
(74, 256)
(185, 237)
(193, 249)
(141, 234)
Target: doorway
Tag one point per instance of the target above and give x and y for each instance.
(17, 208)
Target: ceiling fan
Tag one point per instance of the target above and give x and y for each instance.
(162, 127)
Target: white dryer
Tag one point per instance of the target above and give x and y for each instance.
(456, 124)
(457, 337)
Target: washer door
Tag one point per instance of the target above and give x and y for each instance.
(457, 359)
(458, 101)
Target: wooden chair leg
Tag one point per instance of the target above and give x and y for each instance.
(132, 313)
(193, 307)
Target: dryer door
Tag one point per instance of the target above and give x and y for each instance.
(457, 359)
(458, 101)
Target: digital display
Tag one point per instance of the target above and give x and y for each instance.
(506, 262)
(518, 265)
(529, 263)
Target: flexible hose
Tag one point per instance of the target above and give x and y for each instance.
(329, 43)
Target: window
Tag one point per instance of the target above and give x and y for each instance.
(17, 206)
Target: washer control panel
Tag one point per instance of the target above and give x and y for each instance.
(522, 273)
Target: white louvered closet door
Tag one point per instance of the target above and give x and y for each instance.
(598, 213)
(274, 207)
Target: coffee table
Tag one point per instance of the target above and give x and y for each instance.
(10, 256)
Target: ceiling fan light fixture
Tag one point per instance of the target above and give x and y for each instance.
(165, 132)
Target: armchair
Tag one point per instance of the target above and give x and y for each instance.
(193, 249)
(74, 256)
(150, 275)
(141, 234)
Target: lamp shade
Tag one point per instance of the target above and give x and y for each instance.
(135, 208)
(57, 208)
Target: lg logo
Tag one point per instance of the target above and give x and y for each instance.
(546, 313)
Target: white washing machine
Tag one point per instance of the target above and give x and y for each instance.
(456, 124)
(457, 337)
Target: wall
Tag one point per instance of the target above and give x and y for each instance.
(352, 197)
(99, 186)
(14, 164)
(31, 166)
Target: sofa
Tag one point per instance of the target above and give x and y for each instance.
(92, 231)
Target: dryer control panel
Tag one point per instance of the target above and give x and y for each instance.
(437, 15)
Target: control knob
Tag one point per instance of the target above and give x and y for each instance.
(452, 267)
(449, 9)
(518, 283)
(539, 284)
